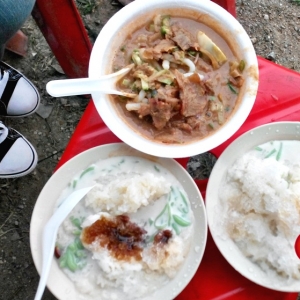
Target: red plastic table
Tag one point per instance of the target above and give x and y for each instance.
(278, 99)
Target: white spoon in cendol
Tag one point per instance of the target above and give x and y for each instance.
(50, 232)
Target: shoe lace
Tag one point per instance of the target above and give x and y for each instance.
(1, 128)
(1, 73)
(12, 133)
(11, 73)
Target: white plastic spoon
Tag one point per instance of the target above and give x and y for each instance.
(50, 232)
(84, 86)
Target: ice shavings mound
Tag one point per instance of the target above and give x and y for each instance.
(262, 201)
(130, 235)
(168, 258)
(127, 195)
(163, 257)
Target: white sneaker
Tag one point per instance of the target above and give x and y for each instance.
(18, 96)
(17, 155)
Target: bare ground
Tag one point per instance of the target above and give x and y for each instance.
(274, 27)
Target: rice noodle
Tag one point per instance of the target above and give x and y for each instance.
(190, 64)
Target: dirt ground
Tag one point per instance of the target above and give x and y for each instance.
(274, 27)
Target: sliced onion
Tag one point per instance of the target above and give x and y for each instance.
(166, 64)
(197, 57)
(141, 95)
(209, 48)
(190, 64)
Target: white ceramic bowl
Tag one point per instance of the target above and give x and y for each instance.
(246, 142)
(58, 283)
(136, 14)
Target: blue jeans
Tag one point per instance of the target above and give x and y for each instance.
(13, 14)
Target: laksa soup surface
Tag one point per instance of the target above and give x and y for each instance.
(185, 83)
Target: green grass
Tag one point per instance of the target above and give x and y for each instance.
(86, 6)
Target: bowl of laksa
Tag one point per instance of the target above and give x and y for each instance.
(193, 80)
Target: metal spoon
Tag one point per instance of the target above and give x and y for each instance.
(50, 232)
(84, 86)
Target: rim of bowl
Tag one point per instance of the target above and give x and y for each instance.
(98, 67)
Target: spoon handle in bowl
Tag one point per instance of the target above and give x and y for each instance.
(85, 86)
(72, 87)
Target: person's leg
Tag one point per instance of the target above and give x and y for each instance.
(13, 14)
(18, 96)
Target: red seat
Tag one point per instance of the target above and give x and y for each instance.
(277, 100)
